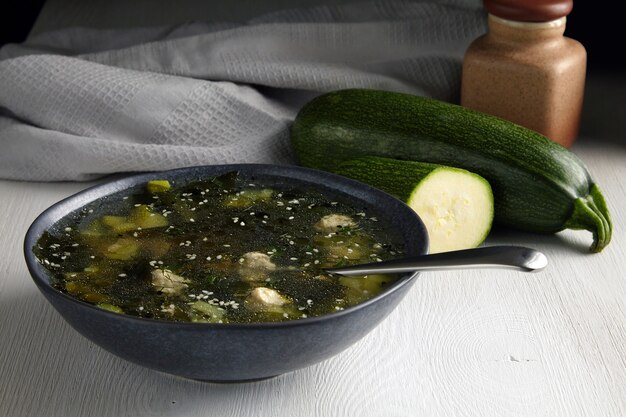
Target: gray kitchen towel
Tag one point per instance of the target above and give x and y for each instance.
(79, 103)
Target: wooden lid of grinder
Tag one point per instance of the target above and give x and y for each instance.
(529, 10)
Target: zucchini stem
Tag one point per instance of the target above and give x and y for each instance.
(591, 213)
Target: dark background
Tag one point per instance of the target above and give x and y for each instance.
(598, 28)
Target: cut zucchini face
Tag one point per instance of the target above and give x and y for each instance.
(456, 206)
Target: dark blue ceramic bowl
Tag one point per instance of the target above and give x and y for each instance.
(232, 352)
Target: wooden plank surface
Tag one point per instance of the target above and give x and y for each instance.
(472, 343)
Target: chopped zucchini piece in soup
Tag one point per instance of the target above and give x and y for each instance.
(124, 249)
(158, 186)
(110, 307)
(218, 250)
(248, 197)
(145, 218)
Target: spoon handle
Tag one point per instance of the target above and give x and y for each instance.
(510, 257)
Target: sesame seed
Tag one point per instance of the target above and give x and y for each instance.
(192, 220)
(68, 229)
(291, 217)
(294, 259)
(121, 275)
(218, 257)
(242, 223)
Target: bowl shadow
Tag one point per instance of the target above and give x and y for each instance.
(50, 368)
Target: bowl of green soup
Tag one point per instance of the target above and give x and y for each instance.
(217, 273)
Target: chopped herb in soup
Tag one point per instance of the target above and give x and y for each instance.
(219, 250)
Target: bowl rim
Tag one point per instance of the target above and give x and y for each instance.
(117, 183)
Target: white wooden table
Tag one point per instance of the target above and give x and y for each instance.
(474, 343)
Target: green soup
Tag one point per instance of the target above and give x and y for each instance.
(219, 250)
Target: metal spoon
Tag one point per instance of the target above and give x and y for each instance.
(508, 257)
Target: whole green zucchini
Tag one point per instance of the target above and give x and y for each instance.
(538, 185)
